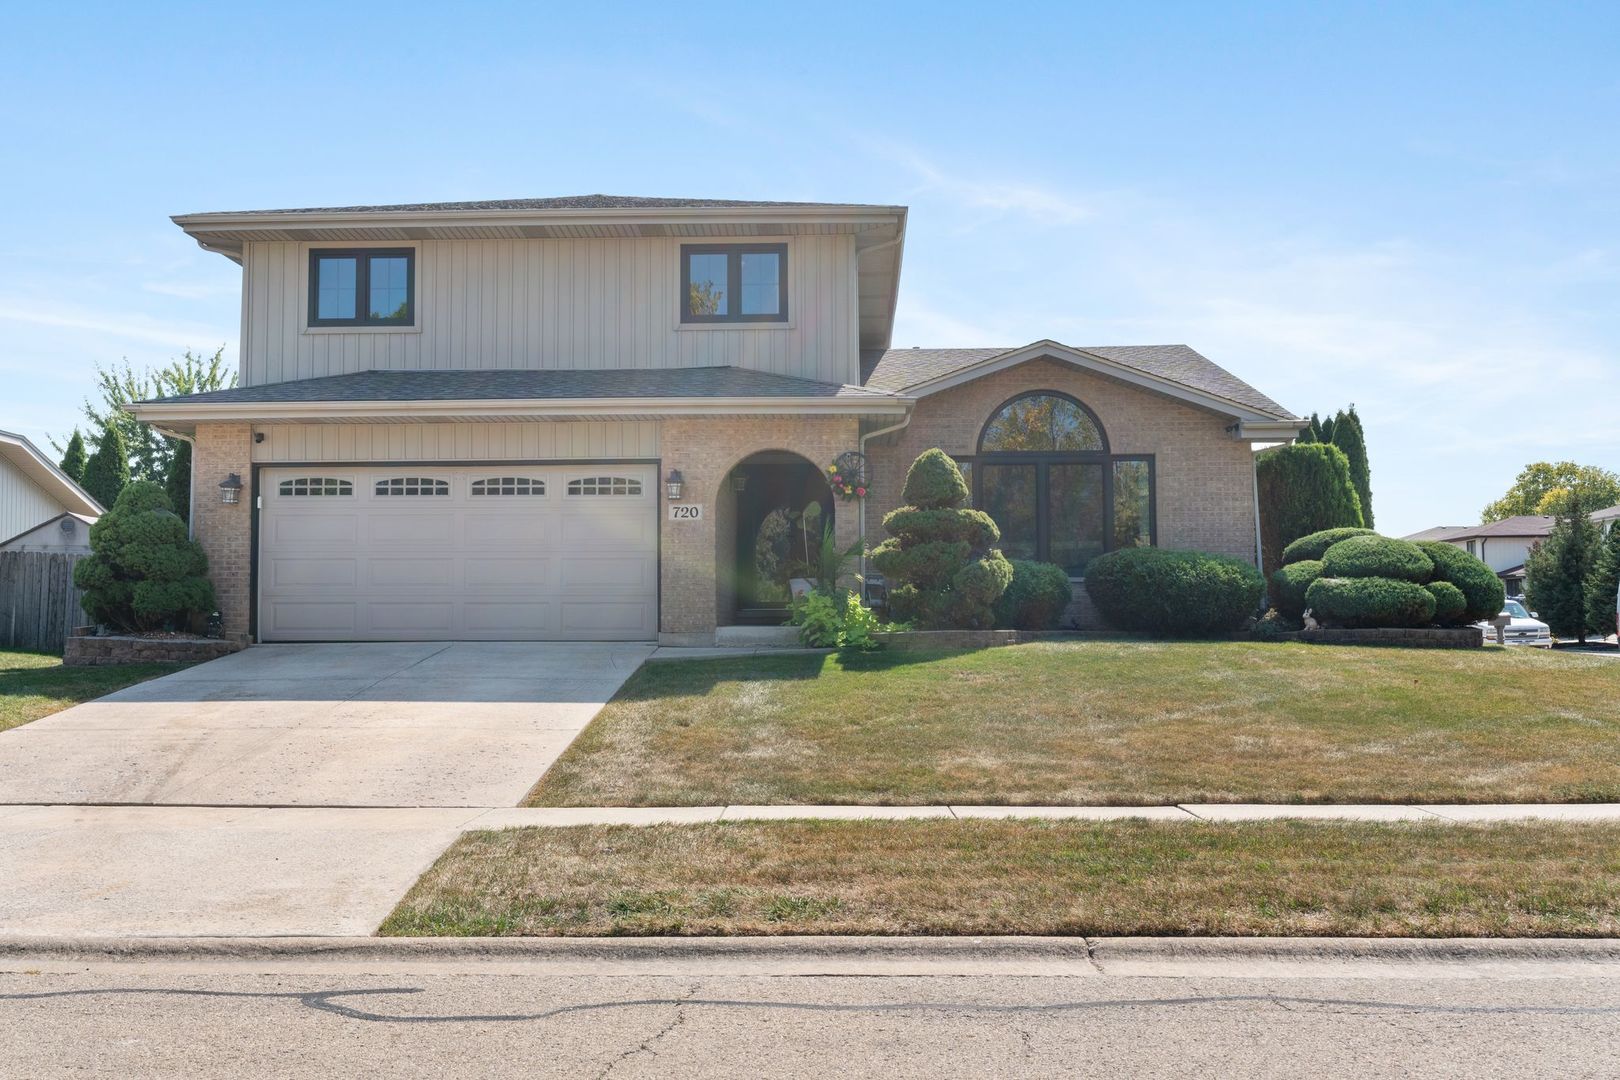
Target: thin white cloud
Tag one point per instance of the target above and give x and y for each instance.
(981, 194)
(193, 290)
(131, 328)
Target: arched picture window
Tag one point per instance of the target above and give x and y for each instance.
(509, 485)
(412, 485)
(1044, 473)
(315, 485)
(604, 485)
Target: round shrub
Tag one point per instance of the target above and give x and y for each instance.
(1377, 557)
(1369, 602)
(934, 482)
(1036, 598)
(1480, 586)
(1315, 545)
(143, 572)
(1173, 592)
(1449, 602)
(1288, 587)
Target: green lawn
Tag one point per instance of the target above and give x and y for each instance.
(1025, 877)
(1106, 722)
(33, 685)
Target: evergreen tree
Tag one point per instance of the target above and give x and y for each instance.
(107, 472)
(177, 484)
(1324, 431)
(1558, 571)
(1303, 489)
(1348, 436)
(1604, 586)
(74, 459)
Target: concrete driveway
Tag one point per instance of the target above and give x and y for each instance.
(431, 724)
(285, 790)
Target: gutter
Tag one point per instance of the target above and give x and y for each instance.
(337, 411)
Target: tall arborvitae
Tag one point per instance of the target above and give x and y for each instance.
(75, 459)
(107, 472)
(1349, 437)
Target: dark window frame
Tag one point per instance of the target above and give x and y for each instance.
(362, 285)
(1043, 460)
(734, 254)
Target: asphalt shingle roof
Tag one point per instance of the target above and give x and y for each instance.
(565, 202)
(897, 370)
(516, 384)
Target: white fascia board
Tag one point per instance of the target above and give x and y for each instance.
(834, 214)
(519, 408)
(1100, 364)
(1267, 431)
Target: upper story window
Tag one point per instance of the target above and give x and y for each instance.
(370, 287)
(733, 283)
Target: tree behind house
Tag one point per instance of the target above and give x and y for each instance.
(1543, 486)
(74, 458)
(1558, 572)
(106, 474)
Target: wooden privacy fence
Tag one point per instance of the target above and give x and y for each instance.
(39, 606)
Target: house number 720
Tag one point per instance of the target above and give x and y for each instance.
(685, 511)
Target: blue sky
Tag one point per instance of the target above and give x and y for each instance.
(1413, 207)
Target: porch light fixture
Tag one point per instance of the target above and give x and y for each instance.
(230, 490)
(672, 485)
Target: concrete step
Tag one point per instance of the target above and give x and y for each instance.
(757, 637)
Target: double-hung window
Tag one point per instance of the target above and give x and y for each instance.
(734, 283)
(367, 287)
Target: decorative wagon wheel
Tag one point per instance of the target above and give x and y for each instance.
(847, 475)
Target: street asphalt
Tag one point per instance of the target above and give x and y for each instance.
(1296, 1015)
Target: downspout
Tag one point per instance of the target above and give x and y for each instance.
(864, 439)
(1254, 479)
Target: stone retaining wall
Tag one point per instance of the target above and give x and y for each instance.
(1462, 637)
(116, 649)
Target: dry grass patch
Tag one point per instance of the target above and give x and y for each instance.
(1125, 722)
(1024, 877)
(33, 685)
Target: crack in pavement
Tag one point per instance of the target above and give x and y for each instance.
(646, 1046)
(327, 1001)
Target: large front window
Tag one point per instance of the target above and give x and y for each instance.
(733, 283)
(1044, 474)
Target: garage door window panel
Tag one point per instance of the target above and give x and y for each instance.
(302, 486)
(604, 485)
(509, 485)
(412, 485)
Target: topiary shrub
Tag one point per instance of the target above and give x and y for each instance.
(1288, 587)
(1303, 488)
(1377, 556)
(1173, 592)
(1036, 598)
(143, 572)
(1369, 602)
(1316, 544)
(1480, 586)
(1449, 602)
(942, 571)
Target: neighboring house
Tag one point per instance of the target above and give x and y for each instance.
(40, 508)
(603, 417)
(1504, 545)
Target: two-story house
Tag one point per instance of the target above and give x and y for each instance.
(603, 417)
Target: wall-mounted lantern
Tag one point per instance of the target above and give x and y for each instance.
(230, 490)
(672, 485)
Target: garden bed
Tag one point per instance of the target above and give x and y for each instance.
(86, 650)
(1428, 637)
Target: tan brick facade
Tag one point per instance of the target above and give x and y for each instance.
(705, 449)
(225, 532)
(1204, 492)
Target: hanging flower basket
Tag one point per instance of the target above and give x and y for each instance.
(847, 476)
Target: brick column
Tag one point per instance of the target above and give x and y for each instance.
(705, 449)
(225, 532)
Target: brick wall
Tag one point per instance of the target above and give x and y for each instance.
(1204, 477)
(225, 532)
(705, 449)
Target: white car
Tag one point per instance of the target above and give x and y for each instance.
(1525, 629)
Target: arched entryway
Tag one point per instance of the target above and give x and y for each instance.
(774, 506)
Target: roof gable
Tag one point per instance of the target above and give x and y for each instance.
(1173, 369)
(32, 463)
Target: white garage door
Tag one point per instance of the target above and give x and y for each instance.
(499, 553)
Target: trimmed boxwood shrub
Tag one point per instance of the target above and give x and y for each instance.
(1316, 544)
(1480, 586)
(1449, 602)
(1288, 587)
(1036, 597)
(1377, 556)
(1177, 593)
(1369, 602)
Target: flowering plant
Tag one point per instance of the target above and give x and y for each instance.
(846, 483)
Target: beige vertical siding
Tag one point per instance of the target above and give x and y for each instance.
(23, 504)
(560, 441)
(552, 304)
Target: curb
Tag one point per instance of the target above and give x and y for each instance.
(1094, 953)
